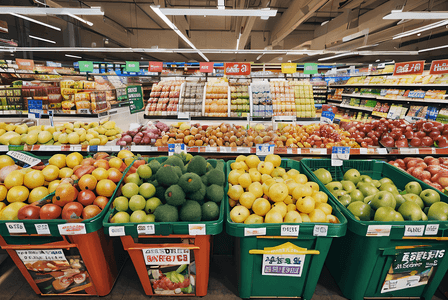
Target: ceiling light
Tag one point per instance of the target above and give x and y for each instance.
(416, 15)
(42, 11)
(73, 56)
(367, 46)
(80, 19)
(221, 4)
(264, 12)
(355, 35)
(337, 56)
(367, 53)
(260, 56)
(41, 39)
(324, 22)
(3, 29)
(434, 48)
(378, 60)
(420, 29)
(238, 41)
(34, 21)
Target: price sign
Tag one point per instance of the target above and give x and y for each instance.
(24, 160)
(417, 94)
(237, 68)
(155, 66)
(254, 231)
(379, 230)
(437, 67)
(327, 117)
(290, 230)
(414, 230)
(320, 230)
(432, 229)
(166, 256)
(183, 115)
(196, 229)
(264, 149)
(143, 229)
(339, 154)
(72, 229)
(85, 66)
(206, 67)
(116, 231)
(176, 148)
(25, 64)
(42, 228)
(310, 68)
(409, 68)
(135, 97)
(289, 68)
(35, 108)
(283, 265)
(16, 227)
(132, 66)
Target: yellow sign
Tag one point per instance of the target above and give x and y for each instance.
(289, 68)
(286, 248)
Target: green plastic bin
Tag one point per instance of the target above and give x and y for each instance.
(361, 264)
(251, 281)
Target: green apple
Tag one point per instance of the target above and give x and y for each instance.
(120, 217)
(376, 183)
(399, 199)
(339, 193)
(360, 210)
(345, 200)
(323, 175)
(357, 195)
(424, 217)
(383, 199)
(137, 202)
(398, 217)
(413, 187)
(364, 183)
(438, 211)
(410, 211)
(334, 186)
(388, 187)
(147, 190)
(352, 175)
(368, 199)
(365, 178)
(152, 204)
(138, 216)
(385, 214)
(386, 180)
(368, 189)
(121, 203)
(150, 218)
(347, 185)
(430, 196)
(414, 198)
(144, 171)
(134, 178)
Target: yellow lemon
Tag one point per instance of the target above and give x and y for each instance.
(244, 180)
(37, 194)
(50, 172)
(15, 178)
(17, 194)
(256, 188)
(3, 192)
(34, 179)
(57, 160)
(281, 206)
(247, 199)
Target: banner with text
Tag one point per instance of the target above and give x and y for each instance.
(289, 68)
(237, 68)
(206, 67)
(439, 67)
(25, 64)
(155, 66)
(409, 68)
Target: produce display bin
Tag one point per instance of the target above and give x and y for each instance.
(149, 244)
(260, 244)
(363, 262)
(59, 257)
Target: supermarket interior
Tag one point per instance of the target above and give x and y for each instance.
(224, 149)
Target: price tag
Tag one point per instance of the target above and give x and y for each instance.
(176, 148)
(26, 160)
(196, 229)
(409, 151)
(143, 229)
(3, 148)
(362, 150)
(183, 115)
(290, 230)
(72, 229)
(414, 230)
(379, 230)
(116, 231)
(327, 117)
(338, 155)
(84, 111)
(16, 227)
(264, 149)
(382, 150)
(320, 230)
(76, 148)
(254, 231)
(42, 228)
(432, 229)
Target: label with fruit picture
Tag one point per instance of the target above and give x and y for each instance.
(378, 230)
(412, 268)
(171, 271)
(72, 228)
(283, 264)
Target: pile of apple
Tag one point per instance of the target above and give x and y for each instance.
(380, 200)
(264, 192)
(433, 171)
(143, 135)
(68, 187)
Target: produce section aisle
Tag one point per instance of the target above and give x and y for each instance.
(222, 284)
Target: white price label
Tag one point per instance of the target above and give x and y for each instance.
(28, 160)
(379, 230)
(414, 230)
(290, 230)
(183, 115)
(176, 148)
(264, 149)
(42, 228)
(143, 229)
(432, 229)
(116, 231)
(320, 230)
(41, 255)
(409, 151)
(362, 150)
(196, 229)
(254, 231)
(381, 150)
(16, 227)
(72, 229)
(76, 148)
(318, 151)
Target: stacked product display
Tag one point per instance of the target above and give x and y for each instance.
(164, 98)
(239, 99)
(304, 100)
(282, 98)
(216, 102)
(191, 98)
(261, 99)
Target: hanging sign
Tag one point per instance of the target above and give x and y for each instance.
(25, 64)
(206, 67)
(85, 66)
(237, 68)
(132, 66)
(289, 68)
(409, 68)
(439, 67)
(135, 97)
(155, 66)
(310, 68)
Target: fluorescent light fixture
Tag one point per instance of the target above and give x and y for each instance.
(42, 11)
(34, 21)
(433, 48)
(324, 22)
(367, 53)
(355, 35)
(416, 15)
(378, 60)
(238, 41)
(260, 56)
(263, 12)
(73, 56)
(221, 4)
(337, 56)
(41, 39)
(3, 29)
(170, 24)
(421, 29)
(80, 19)
(367, 46)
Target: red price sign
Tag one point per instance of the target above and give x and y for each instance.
(237, 68)
(409, 68)
(25, 64)
(439, 67)
(155, 66)
(206, 67)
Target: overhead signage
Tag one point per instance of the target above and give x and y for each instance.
(85, 66)
(132, 66)
(439, 67)
(25, 64)
(155, 66)
(289, 68)
(237, 68)
(310, 68)
(409, 68)
(206, 67)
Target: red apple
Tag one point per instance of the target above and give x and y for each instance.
(427, 127)
(427, 159)
(387, 141)
(409, 134)
(50, 211)
(402, 143)
(442, 142)
(416, 142)
(420, 134)
(421, 165)
(427, 141)
(435, 134)
(86, 197)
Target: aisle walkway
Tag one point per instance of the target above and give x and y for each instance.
(222, 285)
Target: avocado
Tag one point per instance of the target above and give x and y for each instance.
(198, 195)
(191, 211)
(210, 211)
(209, 167)
(160, 192)
(214, 193)
(154, 165)
(166, 213)
(167, 176)
(190, 182)
(197, 165)
(178, 170)
(174, 195)
(174, 161)
(216, 177)
(204, 179)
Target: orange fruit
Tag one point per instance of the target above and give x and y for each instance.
(87, 182)
(105, 187)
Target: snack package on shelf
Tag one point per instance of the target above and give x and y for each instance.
(304, 99)
(82, 102)
(164, 98)
(99, 102)
(191, 98)
(239, 99)
(435, 94)
(261, 99)
(216, 98)
(282, 98)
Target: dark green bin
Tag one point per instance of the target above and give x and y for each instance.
(251, 282)
(360, 263)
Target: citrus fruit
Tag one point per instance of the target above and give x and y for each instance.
(73, 159)
(301, 178)
(50, 172)
(37, 194)
(105, 187)
(34, 179)
(261, 206)
(115, 162)
(65, 172)
(318, 216)
(256, 189)
(282, 207)
(244, 180)
(6, 160)
(87, 182)
(57, 160)
(53, 185)
(278, 192)
(125, 154)
(247, 199)
(15, 178)
(274, 216)
(100, 173)
(17, 194)
(302, 191)
(129, 189)
(252, 161)
(274, 159)
(3, 192)
(325, 207)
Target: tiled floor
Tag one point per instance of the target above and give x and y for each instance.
(222, 284)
